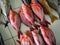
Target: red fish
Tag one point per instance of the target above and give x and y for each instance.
(24, 40)
(38, 11)
(37, 38)
(27, 15)
(48, 35)
(29, 34)
(14, 19)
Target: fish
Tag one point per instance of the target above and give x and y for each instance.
(38, 12)
(29, 34)
(24, 40)
(14, 19)
(37, 38)
(5, 6)
(49, 10)
(48, 35)
(25, 20)
(27, 15)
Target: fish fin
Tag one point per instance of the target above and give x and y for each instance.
(45, 23)
(19, 32)
(1, 11)
(6, 24)
(53, 18)
(18, 41)
(10, 7)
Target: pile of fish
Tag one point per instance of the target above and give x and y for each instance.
(32, 14)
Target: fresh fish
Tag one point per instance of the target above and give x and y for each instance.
(49, 10)
(27, 21)
(38, 12)
(48, 35)
(37, 9)
(24, 40)
(29, 34)
(37, 38)
(5, 6)
(14, 19)
(27, 15)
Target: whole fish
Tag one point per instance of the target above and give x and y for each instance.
(48, 35)
(37, 38)
(24, 40)
(5, 6)
(25, 20)
(39, 13)
(27, 16)
(14, 19)
(49, 10)
(37, 9)
(29, 34)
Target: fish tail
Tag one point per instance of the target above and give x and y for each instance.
(2, 12)
(6, 24)
(18, 41)
(19, 32)
(53, 18)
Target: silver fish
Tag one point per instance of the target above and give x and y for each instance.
(5, 6)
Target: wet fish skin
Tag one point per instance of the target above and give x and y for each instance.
(14, 19)
(27, 16)
(48, 35)
(37, 38)
(24, 40)
(38, 13)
